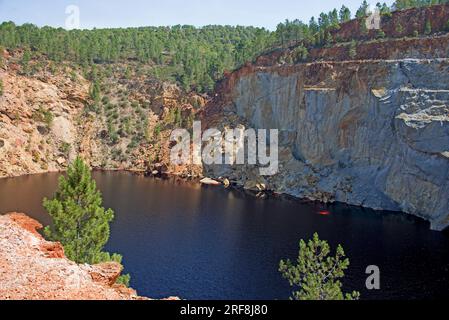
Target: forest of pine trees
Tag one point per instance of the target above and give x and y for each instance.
(199, 56)
(406, 4)
(316, 32)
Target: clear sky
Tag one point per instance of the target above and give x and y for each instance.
(134, 13)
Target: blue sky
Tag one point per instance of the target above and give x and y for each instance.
(133, 13)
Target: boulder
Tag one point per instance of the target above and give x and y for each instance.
(209, 181)
(61, 161)
(35, 269)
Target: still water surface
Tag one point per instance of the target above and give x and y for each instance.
(182, 239)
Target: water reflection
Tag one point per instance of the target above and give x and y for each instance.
(204, 242)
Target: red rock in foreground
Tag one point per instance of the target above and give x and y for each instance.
(32, 268)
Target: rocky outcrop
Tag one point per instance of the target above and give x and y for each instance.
(34, 269)
(47, 118)
(372, 133)
(401, 23)
(37, 120)
(402, 35)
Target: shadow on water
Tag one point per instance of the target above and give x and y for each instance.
(180, 238)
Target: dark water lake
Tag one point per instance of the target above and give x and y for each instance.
(198, 242)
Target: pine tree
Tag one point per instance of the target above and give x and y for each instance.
(300, 54)
(363, 27)
(317, 274)
(1, 56)
(333, 19)
(1, 87)
(362, 11)
(402, 4)
(345, 14)
(178, 117)
(353, 49)
(95, 92)
(313, 25)
(328, 38)
(399, 29)
(385, 10)
(26, 61)
(80, 223)
(380, 34)
(428, 28)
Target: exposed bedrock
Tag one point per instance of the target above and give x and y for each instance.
(369, 133)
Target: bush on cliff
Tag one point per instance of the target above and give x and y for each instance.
(1, 87)
(317, 274)
(428, 27)
(300, 54)
(80, 223)
(43, 115)
(353, 49)
(25, 62)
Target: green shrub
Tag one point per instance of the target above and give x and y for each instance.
(386, 13)
(43, 115)
(95, 92)
(1, 56)
(36, 156)
(380, 34)
(65, 148)
(300, 54)
(82, 227)
(317, 275)
(126, 125)
(353, 49)
(363, 29)
(428, 28)
(105, 100)
(114, 137)
(135, 141)
(73, 76)
(95, 108)
(25, 62)
(121, 133)
(117, 155)
(157, 130)
(109, 106)
(124, 280)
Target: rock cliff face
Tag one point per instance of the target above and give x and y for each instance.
(48, 118)
(373, 133)
(34, 269)
(28, 144)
